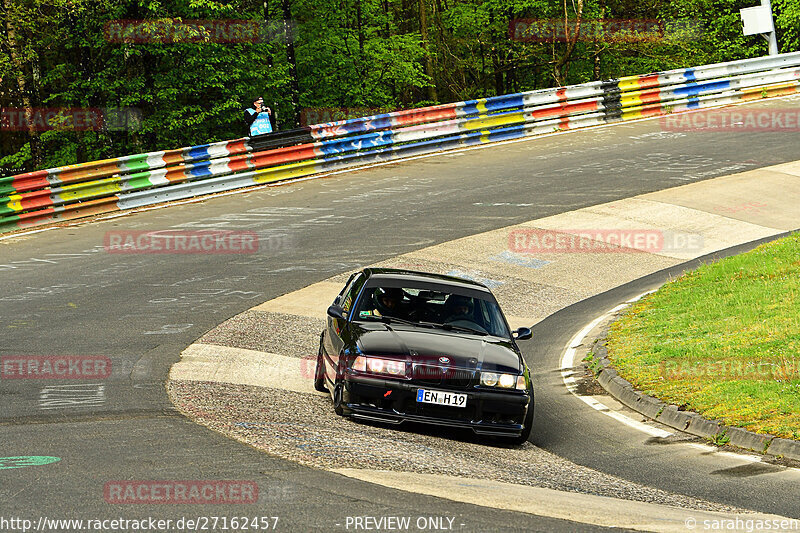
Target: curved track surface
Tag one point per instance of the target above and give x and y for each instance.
(63, 294)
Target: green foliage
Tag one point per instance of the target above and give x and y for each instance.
(720, 439)
(381, 54)
(353, 54)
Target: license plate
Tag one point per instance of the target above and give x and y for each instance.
(452, 399)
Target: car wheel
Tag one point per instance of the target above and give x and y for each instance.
(319, 374)
(526, 427)
(338, 398)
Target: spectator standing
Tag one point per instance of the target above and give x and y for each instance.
(258, 118)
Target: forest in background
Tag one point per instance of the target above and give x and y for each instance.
(315, 56)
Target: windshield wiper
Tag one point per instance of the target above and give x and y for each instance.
(390, 319)
(462, 328)
(371, 318)
(386, 319)
(449, 327)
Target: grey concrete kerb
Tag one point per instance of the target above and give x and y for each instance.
(672, 415)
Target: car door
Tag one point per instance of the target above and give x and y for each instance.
(336, 330)
(327, 342)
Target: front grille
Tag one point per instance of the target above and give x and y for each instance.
(463, 414)
(428, 374)
(437, 375)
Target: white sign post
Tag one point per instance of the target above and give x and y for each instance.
(758, 20)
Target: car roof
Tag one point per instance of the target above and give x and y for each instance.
(413, 275)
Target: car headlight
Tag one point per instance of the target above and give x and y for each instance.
(395, 368)
(378, 365)
(507, 381)
(489, 379)
(504, 381)
(360, 364)
(375, 365)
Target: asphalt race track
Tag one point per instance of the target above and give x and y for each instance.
(61, 293)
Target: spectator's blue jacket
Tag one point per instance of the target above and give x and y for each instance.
(259, 122)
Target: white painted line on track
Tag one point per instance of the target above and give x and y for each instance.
(712, 449)
(31, 232)
(568, 363)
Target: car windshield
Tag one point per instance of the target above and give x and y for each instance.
(446, 309)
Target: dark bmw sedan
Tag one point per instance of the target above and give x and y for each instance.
(412, 346)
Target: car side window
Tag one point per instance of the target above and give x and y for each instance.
(351, 292)
(340, 296)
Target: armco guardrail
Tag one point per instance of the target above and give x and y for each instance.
(134, 181)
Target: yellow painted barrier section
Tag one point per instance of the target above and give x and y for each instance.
(631, 99)
(646, 97)
(632, 113)
(644, 111)
(78, 191)
(628, 83)
(15, 202)
(494, 121)
(293, 170)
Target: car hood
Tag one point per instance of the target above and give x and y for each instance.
(425, 345)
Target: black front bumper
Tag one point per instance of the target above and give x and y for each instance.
(500, 413)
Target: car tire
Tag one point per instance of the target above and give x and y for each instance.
(526, 427)
(338, 398)
(319, 374)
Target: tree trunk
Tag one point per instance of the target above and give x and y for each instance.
(387, 15)
(484, 77)
(499, 86)
(290, 57)
(24, 88)
(562, 64)
(596, 67)
(423, 30)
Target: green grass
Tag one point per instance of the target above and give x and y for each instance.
(723, 340)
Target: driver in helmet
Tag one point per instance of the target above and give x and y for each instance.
(459, 308)
(387, 301)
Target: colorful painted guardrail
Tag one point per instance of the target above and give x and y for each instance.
(129, 182)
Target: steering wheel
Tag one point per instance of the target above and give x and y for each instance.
(464, 321)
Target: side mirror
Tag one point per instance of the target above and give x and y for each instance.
(523, 334)
(337, 300)
(336, 311)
